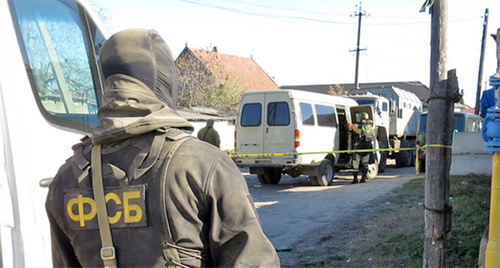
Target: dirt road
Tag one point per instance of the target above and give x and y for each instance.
(297, 216)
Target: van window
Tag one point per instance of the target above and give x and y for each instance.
(307, 114)
(251, 115)
(60, 65)
(385, 107)
(278, 114)
(326, 116)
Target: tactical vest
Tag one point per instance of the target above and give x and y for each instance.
(368, 133)
(135, 201)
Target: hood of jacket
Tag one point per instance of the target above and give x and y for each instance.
(140, 92)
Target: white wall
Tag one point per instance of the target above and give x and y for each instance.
(225, 129)
(469, 156)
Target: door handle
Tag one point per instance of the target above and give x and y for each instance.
(45, 183)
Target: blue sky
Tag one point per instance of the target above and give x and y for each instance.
(309, 42)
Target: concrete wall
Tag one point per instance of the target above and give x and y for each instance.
(469, 156)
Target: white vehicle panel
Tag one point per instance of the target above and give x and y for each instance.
(32, 151)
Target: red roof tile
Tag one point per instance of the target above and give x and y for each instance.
(226, 67)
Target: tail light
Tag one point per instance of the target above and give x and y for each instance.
(297, 138)
(235, 140)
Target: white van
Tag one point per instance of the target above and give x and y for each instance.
(50, 90)
(294, 132)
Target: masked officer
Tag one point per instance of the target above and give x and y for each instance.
(365, 136)
(168, 198)
(209, 134)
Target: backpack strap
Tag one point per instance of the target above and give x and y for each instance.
(107, 251)
(170, 250)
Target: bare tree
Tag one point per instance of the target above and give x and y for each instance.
(337, 90)
(206, 84)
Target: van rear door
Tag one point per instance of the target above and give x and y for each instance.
(279, 126)
(264, 126)
(249, 129)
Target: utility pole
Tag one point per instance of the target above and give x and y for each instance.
(358, 49)
(481, 60)
(439, 139)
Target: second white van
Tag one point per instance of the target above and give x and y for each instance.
(294, 132)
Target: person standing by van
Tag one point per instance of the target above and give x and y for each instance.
(142, 192)
(364, 137)
(209, 134)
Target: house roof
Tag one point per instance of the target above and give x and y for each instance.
(226, 67)
(416, 87)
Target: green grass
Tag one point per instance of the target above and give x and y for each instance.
(392, 234)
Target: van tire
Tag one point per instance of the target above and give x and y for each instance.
(404, 158)
(383, 162)
(261, 178)
(326, 167)
(270, 176)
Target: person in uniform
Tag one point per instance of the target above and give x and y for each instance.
(170, 199)
(209, 134)
(363, 140)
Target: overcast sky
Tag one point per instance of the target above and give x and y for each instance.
(309, 42)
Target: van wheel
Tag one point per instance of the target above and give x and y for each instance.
(372, 170)
(270, 176)
(326, 167)
(383, 162)
(403, 158)
(261, 178)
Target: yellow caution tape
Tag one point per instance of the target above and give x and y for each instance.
(424, 148)
(417, 162)
(325, 152)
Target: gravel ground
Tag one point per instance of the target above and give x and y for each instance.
(298, 217)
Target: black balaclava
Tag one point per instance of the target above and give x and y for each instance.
(140, 92)
(142, 54)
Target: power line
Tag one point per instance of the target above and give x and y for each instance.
(290, 9)
(266, 15)
(310, 19)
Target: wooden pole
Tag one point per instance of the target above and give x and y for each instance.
(358, 49)
(481, 60)
(438, 157)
